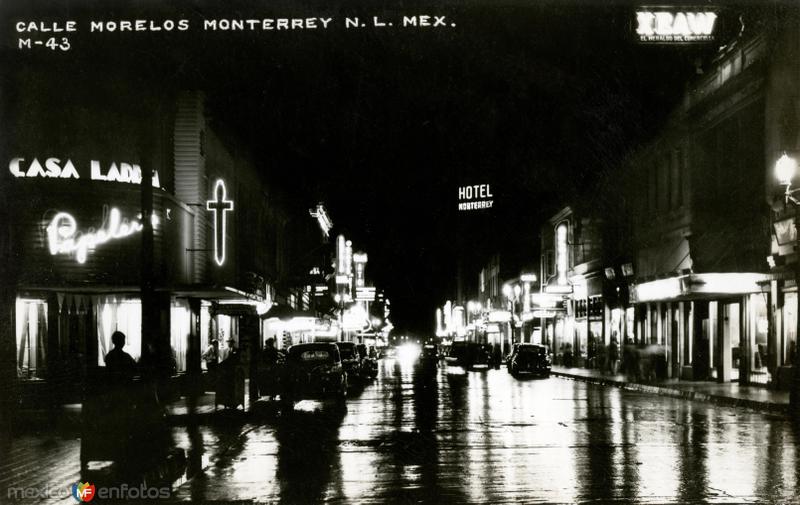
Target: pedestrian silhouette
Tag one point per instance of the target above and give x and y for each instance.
(119, 364)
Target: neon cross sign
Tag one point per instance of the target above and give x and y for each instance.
(219, 206)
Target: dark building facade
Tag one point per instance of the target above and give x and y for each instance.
(702, 290)
(77, 253)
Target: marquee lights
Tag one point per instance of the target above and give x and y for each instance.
(63, 236)
(219, 206)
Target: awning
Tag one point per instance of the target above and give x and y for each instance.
(698, 286)
(286, 313)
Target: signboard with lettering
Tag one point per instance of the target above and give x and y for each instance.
(57, 168)
(660, 25)
(77, 234)
(475, 197)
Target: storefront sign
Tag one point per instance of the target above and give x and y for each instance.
(54, 168)
(785, 231)
(499, 316)
(366, 294)
(63, 236)
(675, 27)
(477, 196)
(219, 206)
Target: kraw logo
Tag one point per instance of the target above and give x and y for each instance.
(671, 26)
(83, 491)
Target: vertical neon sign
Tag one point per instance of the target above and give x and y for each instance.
(561, 253)
(219, 206)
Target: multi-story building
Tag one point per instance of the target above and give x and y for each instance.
(213, 253)
(576, 306)
(702, 291)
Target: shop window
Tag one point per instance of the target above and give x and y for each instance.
(180, 327)
(758, 344)
(205, 327)
(630, 325)
(731, 335)
(227, 328)
(116, 313)
(789, 327)
(31, 335)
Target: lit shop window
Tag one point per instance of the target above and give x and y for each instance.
(205, 327)
(227, 328)
(789, 327)
(180, 321)
(118, 313)
(31, 337)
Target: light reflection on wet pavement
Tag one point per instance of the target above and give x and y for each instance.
(485, 437)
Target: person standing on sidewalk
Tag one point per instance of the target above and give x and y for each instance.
(120, 365)
(613, 354)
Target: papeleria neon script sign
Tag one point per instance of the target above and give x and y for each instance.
(63, 236)
(54, 168)
(219, 206)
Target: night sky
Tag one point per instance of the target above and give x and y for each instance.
(383, 124)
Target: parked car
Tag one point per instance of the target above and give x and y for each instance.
(469, 355)
(314, 371)
(351, 359)
(531, 358)
(369, 360)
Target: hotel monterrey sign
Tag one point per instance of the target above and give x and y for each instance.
(659, 25)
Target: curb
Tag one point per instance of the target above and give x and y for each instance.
(767, 407)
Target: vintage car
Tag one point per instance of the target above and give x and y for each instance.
(530, 359)
(369, 360)
(430, 355)
(351, 359)
(469, 355)
(314, 371)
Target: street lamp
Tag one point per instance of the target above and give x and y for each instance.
(785, 171)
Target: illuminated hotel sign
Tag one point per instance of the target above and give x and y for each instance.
(63, 236)
(219, 206)
(54, 168)
(478, 196)
(674, 27)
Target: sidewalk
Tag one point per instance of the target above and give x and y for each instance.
(730, 394)
(67, 418)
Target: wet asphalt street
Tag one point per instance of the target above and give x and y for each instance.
(485, 437)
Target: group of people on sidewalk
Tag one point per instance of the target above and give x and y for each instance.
(226, 376)
(639, 362)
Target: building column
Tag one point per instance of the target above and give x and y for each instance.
(775, 318)
(746, 338)
(724, 357)
(669, 345)
(8, 358)
(684, 330)
(713, 330)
